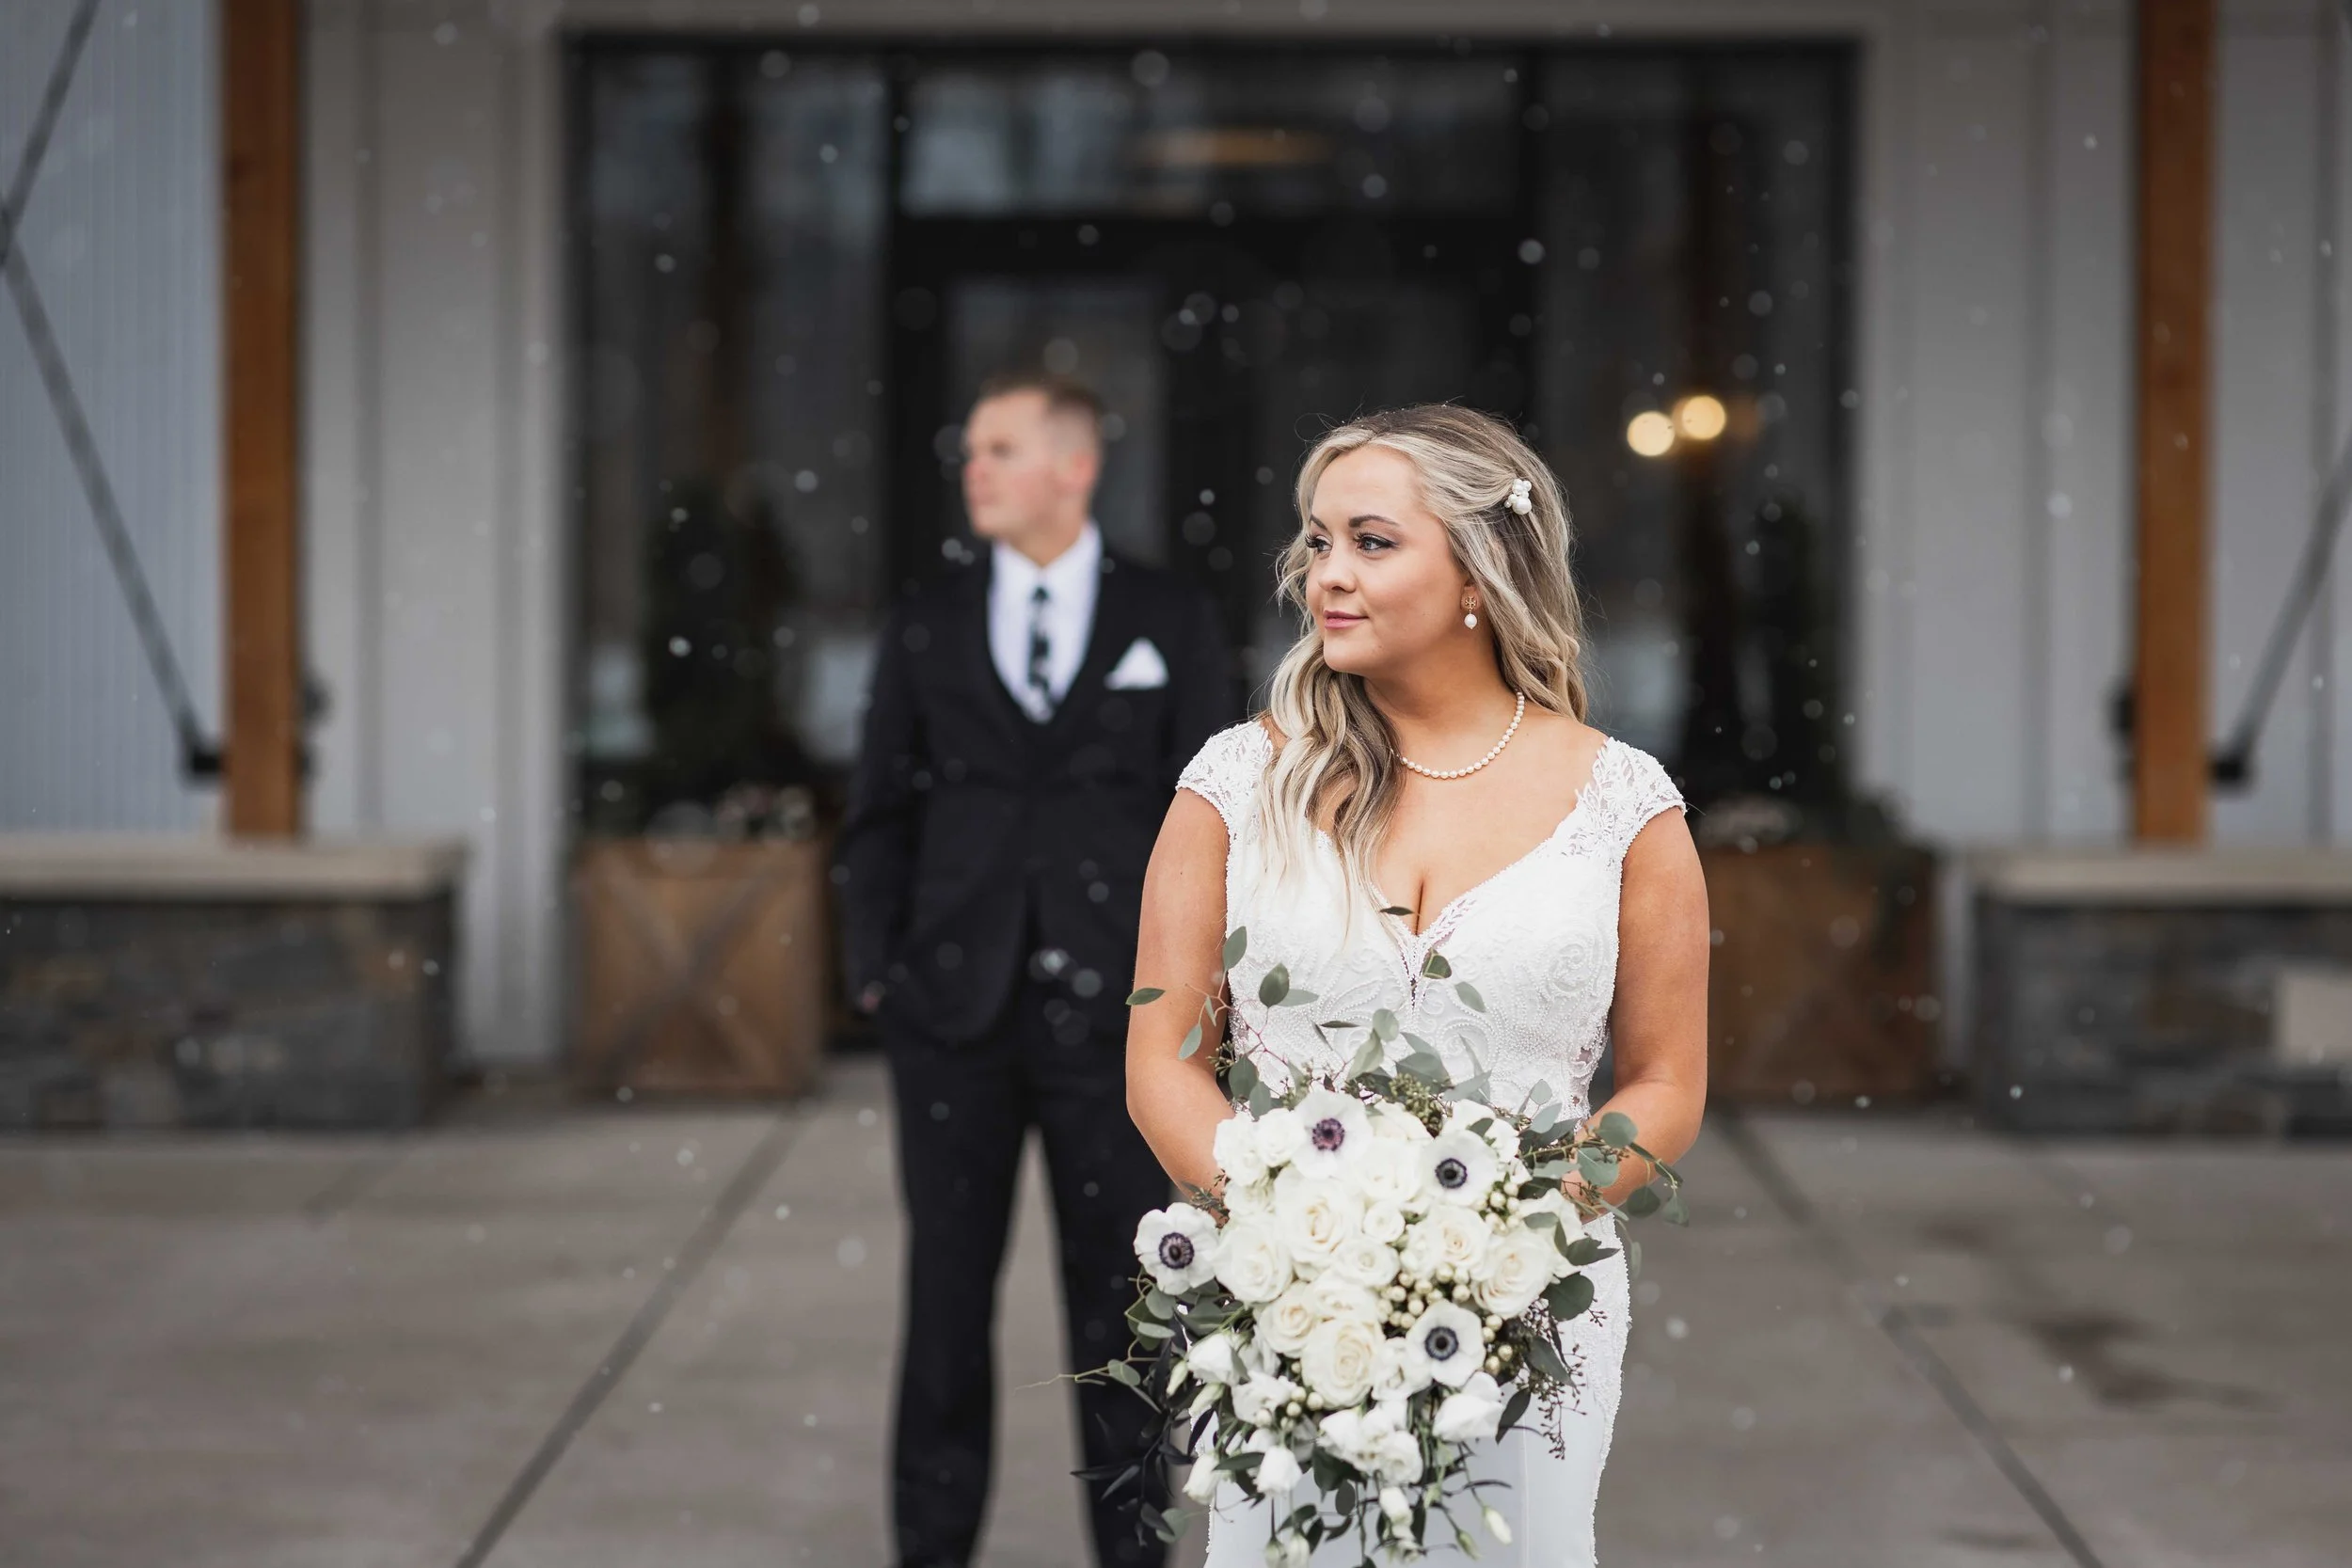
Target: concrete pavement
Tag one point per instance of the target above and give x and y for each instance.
(540, 1334)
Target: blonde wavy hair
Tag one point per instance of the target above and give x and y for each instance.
(1338, 758)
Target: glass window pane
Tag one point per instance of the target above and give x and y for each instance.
(1177, 137)
(733, 216)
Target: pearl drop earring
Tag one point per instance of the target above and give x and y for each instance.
(1469, 618)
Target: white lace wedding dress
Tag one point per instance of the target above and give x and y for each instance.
(1538, 941)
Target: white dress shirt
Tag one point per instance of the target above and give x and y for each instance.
(1067, 619)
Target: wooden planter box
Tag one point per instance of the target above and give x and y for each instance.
(1821, 983)
(702, 965)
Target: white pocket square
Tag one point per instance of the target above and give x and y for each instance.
(1139, 668)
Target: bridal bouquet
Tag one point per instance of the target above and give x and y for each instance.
(1378, 1285)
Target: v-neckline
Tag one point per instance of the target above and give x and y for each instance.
(1437, 921)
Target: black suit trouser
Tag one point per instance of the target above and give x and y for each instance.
(963, 1116)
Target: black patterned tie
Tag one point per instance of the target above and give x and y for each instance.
(1041, 656)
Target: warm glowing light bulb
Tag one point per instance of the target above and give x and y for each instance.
(1701, 417)
(1651, 435)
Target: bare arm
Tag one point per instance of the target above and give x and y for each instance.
(1175, 1100)
(1658, 1020)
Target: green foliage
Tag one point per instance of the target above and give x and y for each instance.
(1468, 994)
(1192, 1043)
(1276, 985)
(1435, 967)
(1570, 1297)
(1615, 1129)
(1236, 945)
(1144, 997)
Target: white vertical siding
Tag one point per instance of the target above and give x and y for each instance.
(122, 237)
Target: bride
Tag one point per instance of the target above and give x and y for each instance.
(1424, 779)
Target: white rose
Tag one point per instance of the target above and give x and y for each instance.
(1337, 1131)
(1285, 1322)
(1514, 1270)
(1383, 1223)
(1178, 1245)
(1392, 1503)
(1361, 1260)
(1446, 1340)
(1340, 1358)
(1258, 1401)
(1470, 1413)
(1238, 1155)
(1276, 1472)
(1289, 1550)
(1281, 1137)
(1252, 1260)
(1451, 1236)
(1458, 1166)
(1395, 1121)
(1497, 1526)
(1202, 1485)
(1212, 1358)
(1386, 1172)
(1313, 1216)
(1336, 1296)
(1250, 1199)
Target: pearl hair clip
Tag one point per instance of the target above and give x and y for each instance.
(1521, 500)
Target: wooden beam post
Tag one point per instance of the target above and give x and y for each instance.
(2171, 772)
(261, 69)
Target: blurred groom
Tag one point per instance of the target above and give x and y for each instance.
(1029, 717)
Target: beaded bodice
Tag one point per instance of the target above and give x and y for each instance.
(1537, 941)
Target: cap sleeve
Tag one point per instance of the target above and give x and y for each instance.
(1629, 788)
(1225, 771)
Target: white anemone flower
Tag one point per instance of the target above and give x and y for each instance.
(1446, 1343)
(1458, 1166)
(1337, 1131)
(1179, 1245)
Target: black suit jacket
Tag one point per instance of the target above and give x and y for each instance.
(973, 829)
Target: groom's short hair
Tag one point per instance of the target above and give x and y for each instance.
(1066, 397)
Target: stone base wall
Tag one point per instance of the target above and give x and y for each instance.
(239, 1012)
(2096, 1017)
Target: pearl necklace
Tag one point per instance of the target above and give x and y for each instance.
(1516, 715)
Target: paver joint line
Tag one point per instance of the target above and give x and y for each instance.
(1896, 1325)
(717, 1221)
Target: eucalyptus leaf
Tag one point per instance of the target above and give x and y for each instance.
(1192, 1043)
(1260, 1099)
(1597, 1169)
(1468, 994)
(1615, 1129)
(1242, 1077)
(1236, 944)
(1516, 1407)
(1275, 986)
(1122, 1373)
(1586, 1250)
(1570, 1297)
(1399, 910)
(1641, 1204)
(1544, 1359)
(1341, 1023)
(1368, 1057)
(1153, 1331)
(1435, 967)
(1384, 1025)
(1144, 997)
(1159, 1303)
(1676, 1212)
(1297, 999)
